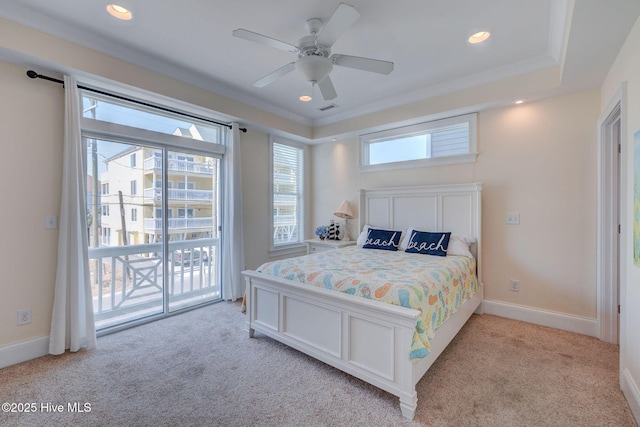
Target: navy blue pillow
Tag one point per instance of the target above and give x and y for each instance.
(387, 240)
(423, 242)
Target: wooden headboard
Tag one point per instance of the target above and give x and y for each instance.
(455, 207)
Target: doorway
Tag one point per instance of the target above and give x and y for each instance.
(608, 258)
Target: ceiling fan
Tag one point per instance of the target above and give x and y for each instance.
(315, 60)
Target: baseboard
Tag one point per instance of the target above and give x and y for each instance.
(631, 393)
(553, 319)
(23, 351)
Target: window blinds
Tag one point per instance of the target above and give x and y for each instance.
(288, 172)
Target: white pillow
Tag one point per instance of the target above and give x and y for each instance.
(459, 245)
(362, 238)
(405, 240)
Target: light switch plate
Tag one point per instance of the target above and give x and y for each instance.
(513, 218)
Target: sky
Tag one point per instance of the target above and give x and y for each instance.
(396, 150)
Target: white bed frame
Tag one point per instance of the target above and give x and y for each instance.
(366, 338)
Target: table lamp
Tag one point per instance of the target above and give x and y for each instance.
(345, 212)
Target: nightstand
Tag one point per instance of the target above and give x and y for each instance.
(317, 245)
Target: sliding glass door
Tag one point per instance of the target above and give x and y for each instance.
(153, 213)
(194, 242)
(125, 253)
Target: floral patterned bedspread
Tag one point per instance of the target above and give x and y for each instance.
(436, 286)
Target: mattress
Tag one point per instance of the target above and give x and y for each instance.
(436, 286)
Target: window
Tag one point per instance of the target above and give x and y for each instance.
(134, 214)
(181, 185)
(440, 142)
(134, 188)
(105, 210)
(106, 236)
(287, 194)
(105, 188)
(185, 213)
(132, 160)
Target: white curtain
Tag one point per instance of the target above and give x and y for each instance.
(232, 238)
(72, 324)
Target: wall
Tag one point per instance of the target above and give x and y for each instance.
(255, 197)
(537, 159)
(31, 174)
(626, 69)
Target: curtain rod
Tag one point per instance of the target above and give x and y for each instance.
(32, 74)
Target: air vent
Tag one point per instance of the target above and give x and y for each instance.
(328, 107)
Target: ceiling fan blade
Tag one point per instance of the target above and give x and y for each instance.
(265, 40)
(326, 89)
(366, 64)
(342, 19)
(271, 77)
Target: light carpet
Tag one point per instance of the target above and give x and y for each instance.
(200, 368)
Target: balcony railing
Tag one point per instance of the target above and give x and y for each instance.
(179, 194)
(284, 220)
(179, 165)
(127, 281)
(179, 223)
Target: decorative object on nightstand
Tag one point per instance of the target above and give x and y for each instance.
(345, 212)
(322, 231)
(334, 231)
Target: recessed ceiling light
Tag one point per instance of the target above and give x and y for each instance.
(119, 12)
(479, 37)
(519, 101)
(307, 93)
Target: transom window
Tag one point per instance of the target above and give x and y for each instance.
(445, 141)
(111, 110)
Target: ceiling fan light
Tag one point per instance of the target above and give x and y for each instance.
(314, 68)
(305, 98)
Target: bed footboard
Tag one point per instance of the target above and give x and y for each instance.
(367, 339)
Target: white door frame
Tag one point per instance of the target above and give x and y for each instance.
(609, 257)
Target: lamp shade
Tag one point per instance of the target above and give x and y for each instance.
(344, 211)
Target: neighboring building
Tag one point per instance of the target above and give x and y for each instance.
(285, 199)
(93, 212)
(132, 195)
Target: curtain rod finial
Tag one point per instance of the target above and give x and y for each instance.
(32, 74)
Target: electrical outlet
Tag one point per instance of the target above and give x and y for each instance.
(514, 285)
(24, 317)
